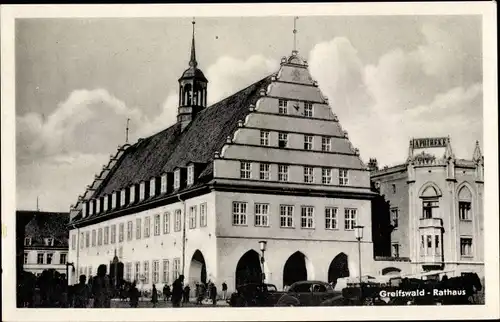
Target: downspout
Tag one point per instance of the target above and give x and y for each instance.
(183, 233)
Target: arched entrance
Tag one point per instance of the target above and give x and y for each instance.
(197, 268)
(295, 269)
(391, 271)
(248, 269)
(338, 268)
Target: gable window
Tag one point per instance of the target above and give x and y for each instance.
(147, 226)
(395, 217)
(261, 215)
(350, 219)
(282, 106)
(203, 215)
(308, 109)
(343, 177)
(113, 234)
(466, 246)
(157, 225)
(326, 143)
(166, 223)
(121, 232)
(264, 138)
(106, 235)
(27, 241)
(286, 216)
(282, 139)
(142, 190)
(113, 200)
(308, 175)
(163, 187)
(91, 207)
(97, 206)
(105, 203)
(428, 208)
(308, 142)
(87, 239)
(331, 218)
(123, 197)
(177, 179)
(99, 237)
(239, 213)
(282, 172)
(152, 187)
(177, 219)
(190, 174)
(395, 250)
(264, 173)
(130, 227)
(245, 170)
(39, 258)
(192, 217)
(62, 258)
(464, 208)
(326, 175)
(132, 194)
(138, 228)
(307, 217)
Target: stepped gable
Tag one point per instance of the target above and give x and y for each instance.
(162, 152)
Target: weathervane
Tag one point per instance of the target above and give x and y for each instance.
(295, 33)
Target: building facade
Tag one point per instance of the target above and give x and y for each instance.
(45, 242)
(270, 162)
(435, 208)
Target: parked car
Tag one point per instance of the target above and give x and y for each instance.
(254, 294)
(308, 293)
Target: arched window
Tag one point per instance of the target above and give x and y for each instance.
(464, 203)
(187, 94)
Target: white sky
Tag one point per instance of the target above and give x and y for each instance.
(388, 78)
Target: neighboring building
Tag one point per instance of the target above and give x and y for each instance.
(45, 243)
(270, 162)
(433, 208)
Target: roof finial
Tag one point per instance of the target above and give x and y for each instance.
(295, 34)
(126, 131)
(192, 62)
(477, 152)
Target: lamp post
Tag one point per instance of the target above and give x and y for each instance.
(263, 245)
(68, 264)
(358, 232)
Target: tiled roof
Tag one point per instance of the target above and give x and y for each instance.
(162, 152)
(46, 225)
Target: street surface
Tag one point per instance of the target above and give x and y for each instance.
(162, 304)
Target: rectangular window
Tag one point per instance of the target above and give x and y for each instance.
(132, 194)
(331, 218)
(282, 106)
(177, 219)
(73, 242)
(142, 191)
(264, 138)
(147, 226)
(146, 272)
(94, 238)
(177, 179)
(307, 217)
(163, 187)
(137, 271)
(105, 203)
(465, 246)
(326, 143)
(121, 232)
(152, 187)
(130, 226)
(282, 140)
(128, 271)
(308, 175)
(422, 244)
(308, 142)
(428, 209)
(343, 177)
(113, 200)
(395, 217)
(239, 213)
(176, 268)
(87, 239)
(27, 241)
(99, 237)
(326, 175)
(261, 215)
(157, 225)
(286, 216)
(49, 241)
(203, 215)
(25, 258)
(138, 228)
(192, 217)
(49, 258)
(429, 243)
(90, 271)
(123, 197)
(82, 240)
(156, 272)
(166, 223)
(282, 172)
(113, 234)
(350, 218)
(106, 235)
(308, 110)
(166, 271)
(264, 171)
(245, 170)
(437, 247)
(395, 250)
(39, 258)
(464, 210)
(63, 259)
(190, 175)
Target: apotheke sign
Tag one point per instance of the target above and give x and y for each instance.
(429, 143)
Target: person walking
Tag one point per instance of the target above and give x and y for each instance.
(101, 288)
(154, 296)
(201, 293)
(81, 293)
(224, 290)
(187, 293)
(177, 291)
(166, 292)
(134, 295)
(213, 295)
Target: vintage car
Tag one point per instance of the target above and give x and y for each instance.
(307, 293)
(254, 294)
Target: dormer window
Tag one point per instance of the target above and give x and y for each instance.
(177, 179)
(98, 206)
(105, 202)
(27, 241)
(190, 174)
(91, 207)
(113, 199)
(132, 194)
(152, 187)
(163, 184)
(49, 241)
(84, 209)
(122, 197)
(142, 190)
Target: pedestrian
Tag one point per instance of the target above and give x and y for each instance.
(101, 288)
(134, 295)
(224, 290)
(154, 296)
(213, 294)
(201, 293)
(187, 291)
(81, 293)
(177, 291)
(166, 292)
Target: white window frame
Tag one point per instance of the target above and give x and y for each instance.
(163, 188)
(264, 171)
(395, 217)
(308, 109)
(286, 216)
(166, 222)
(138, 228)
(395, 250)
(308, 142)
(177, 220)
(42, 256)
(157, 225)
(239, 213)
(326, 175)
(99, 236)
(94, 238)
(49, 257)
(137, 271)
(130, 228)
(128, 271)
(166, 271)
(91, 207)
(152, 187)
(308, 175)
(113, 199)
(142, 191)
(464, 214)
(245, 170)
(123, 197)
(87, 239)
(147, 227)
(350, 218)
(112, 234)
(468, 251)
(132, 193)
(106, 235)
(326, 144)
(156, 272)
(177, 179)
(331, 218)
(264, 138)
(105, 203)
(282, 106)
(192, 217)
(98, 206)
(261, 215)
(146, 272)
(73, 242)
(203, 214)
(121, 232)
(283, 137)
(176, 268)
(283, 172)
(307, 217)
(343, 177)
(190, 174)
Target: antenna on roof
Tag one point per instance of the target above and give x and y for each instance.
(126, 131)
(295, 33)
(37, 206)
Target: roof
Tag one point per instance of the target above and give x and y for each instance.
(193, 72)
(46, 225)
(162, 152)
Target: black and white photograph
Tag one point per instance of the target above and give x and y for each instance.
(295, 160)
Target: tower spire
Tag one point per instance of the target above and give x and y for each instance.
(192, 62)
(295, 34)
(477, 152)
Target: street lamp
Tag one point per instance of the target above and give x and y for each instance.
(358, 232)
(263, 245)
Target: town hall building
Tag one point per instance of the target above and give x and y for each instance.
(268, 163)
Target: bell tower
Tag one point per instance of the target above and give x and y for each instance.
(192, 90)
